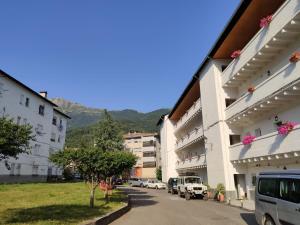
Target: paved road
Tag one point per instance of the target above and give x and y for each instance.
(157, 207)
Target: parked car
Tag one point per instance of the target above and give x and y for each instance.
(119, 181)
(191, 186)
(135, 182)
(277, 198)
(172, 185)
(156, 184)
(146, 182)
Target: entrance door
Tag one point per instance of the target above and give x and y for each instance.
(240, 185)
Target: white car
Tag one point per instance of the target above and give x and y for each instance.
(191, 186)
(145, 183)
(156, 184)
(135, 182)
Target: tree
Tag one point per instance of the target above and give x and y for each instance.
(158, 173)
(14, 139)
(94, 164)
(108, 135)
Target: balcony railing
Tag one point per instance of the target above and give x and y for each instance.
(278, 91)
(192, 163)
(271, 146)
(194, 136)
(149, 159)
(190, 113)
(265, 45)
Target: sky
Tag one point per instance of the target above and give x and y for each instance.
(113, 54)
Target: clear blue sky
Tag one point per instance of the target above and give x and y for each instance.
(112, 54)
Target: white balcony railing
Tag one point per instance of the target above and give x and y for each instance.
(265, 92)
(192, 163)
(149, 159)
(267, 43)
(194, 136)
(190, 113)
(268, 147)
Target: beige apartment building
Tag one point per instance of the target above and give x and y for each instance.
(143, 145)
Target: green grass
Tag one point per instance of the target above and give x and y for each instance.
(59, 203)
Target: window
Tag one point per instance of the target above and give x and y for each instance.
(21, 99)
(223, 67)
(27, 102)
(12, 169)
(18, 169)
(59, 139)
(267, 186)
(149, 164)
(24, 121)
(289, 190)
(42, 110)
(39, 129)
(148, 143)
(234, 139)
(229, 101)
(35, 169)
(53, 137)
(18, 120)
(54, 120)
(254, 180)
(36, 150)
(149, 154)
(257, 132)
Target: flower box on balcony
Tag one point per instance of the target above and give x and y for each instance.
(235, 54)
(264, 22)
(247, 140)
(287, 127)
(251, 90)
(295, 57)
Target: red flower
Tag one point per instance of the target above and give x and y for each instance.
(295, 57)
(247, 140)
(251, 89)
(235, 54)
(265, 21)
(285, 128)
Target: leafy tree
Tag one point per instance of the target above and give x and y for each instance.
(108, 135)
(158, 173)
(95, 165)
(14, 139)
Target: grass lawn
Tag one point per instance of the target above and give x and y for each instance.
(57, 203)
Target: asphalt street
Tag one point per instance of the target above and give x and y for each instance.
(157, 207)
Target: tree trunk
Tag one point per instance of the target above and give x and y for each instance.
(92, 195)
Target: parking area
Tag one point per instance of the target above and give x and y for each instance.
(157, 207)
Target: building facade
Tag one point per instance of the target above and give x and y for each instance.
(143, 145)
(25, 106)
(252, 93)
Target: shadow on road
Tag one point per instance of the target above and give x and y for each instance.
(249, 218)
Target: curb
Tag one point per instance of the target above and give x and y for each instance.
(231, 205)
(110, 217)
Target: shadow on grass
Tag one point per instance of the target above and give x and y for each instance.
(61, 214)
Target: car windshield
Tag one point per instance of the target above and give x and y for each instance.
(174, 181)
(193, 180)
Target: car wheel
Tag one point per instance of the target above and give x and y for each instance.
(156, 187)
(141, 185)
(187, 195)
(172, 191)
(269, 221)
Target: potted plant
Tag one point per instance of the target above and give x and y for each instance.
(248, 139)
(265, 21)
(235, 54)
(220, 192)
(287, 127)
(277, 121)
(251, 89)
(295, 57)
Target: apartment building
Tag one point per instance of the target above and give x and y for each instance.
(143, 145)
(247, 89)
(25, 106)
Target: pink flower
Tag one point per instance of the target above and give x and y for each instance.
(285, 128)
(235, 54)
(265, 21)
(247, 140)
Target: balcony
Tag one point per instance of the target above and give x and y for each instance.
(268, 147)
(149, 159)
(265, 45)
(191, 113)
(280, 90)
(193, 137)
(195, 162)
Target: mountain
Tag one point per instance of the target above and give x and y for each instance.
(84, 118)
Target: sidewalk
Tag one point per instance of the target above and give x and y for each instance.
(245, 204)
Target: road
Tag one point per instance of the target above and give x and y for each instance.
(157, 207)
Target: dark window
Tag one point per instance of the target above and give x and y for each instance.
(54, 121)
(148, 143)
(289, 190)
(234, 139)
(149, 164)
(257, 132)
(229, 101)
(27, 102)
(42, 110)
(253, 180)
(267, 186)
(149, 154)
(223, 67)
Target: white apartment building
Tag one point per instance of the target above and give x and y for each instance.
(143, 145)
(25, 106)
(252, 94)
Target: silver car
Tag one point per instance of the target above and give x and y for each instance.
(277, 198)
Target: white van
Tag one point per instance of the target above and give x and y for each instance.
(277, 198)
